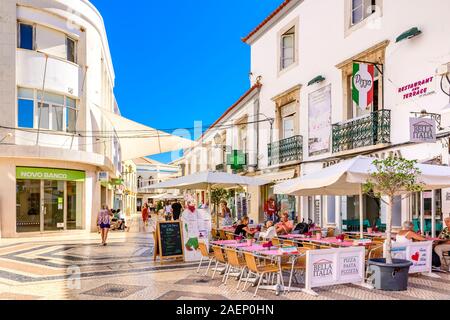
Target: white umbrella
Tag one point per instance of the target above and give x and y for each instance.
(208, 179)
(347, 178)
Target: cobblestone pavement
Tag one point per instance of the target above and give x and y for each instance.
(76, 267)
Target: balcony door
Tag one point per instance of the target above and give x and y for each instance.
(288, 127)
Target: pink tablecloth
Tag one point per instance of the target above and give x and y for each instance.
(335, 241)
(224, 242)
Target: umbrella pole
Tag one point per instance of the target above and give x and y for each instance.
(361, 212)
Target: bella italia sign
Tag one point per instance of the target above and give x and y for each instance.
(49, 174)
(422, 130)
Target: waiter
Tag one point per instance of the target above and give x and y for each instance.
(271, 210)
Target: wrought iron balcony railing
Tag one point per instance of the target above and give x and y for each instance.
(369, 130)
(287, 150)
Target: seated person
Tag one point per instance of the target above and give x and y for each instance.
(284, 226)
(270, 232)
(445, 245)
(407, 234)
(243, 228)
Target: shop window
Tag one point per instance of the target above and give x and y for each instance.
(25, 36)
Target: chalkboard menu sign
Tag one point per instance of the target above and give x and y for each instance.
(168, 240)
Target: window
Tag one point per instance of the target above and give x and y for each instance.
(25, 36)
(71, 50)
(361, 9)
(71, 115)
(25, 105)
(288, 127)
(53, 112)
(288, 48)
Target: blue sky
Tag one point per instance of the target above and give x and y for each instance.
(181, 61)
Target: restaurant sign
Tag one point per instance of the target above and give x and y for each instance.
(419, 253)
(327, 267)
(417, 88)
(422, 130)
(28, 173)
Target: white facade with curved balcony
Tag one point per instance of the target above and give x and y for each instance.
(56, 77)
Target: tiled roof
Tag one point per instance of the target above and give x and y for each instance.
(266, 20)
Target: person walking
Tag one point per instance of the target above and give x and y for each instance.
(167, 211)
(225, 213)
(104, 221)
(145, 214)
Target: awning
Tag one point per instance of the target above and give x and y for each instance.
(278, 176)
(137, 140)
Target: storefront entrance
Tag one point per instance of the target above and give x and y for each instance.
(52, 204)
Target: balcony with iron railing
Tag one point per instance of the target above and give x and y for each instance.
(366, 131)
(285, 151)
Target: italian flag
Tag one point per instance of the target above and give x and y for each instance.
(363, 83)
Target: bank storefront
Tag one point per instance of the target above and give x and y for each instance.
(49, 199)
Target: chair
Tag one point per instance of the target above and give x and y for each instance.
(222, 235)
(298, 265)
(234, 262)
(230, 236)
(220, 259)
(309, 245)
(446, 258)
(330, 232)
(259, 270)
(276, 242)
(214, 234)
(289, 243)
(205, 254)
(324, 246)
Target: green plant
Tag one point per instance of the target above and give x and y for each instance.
(393, 176)
(159, 206)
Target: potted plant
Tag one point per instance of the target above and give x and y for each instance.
(392, 177)
(249, 239)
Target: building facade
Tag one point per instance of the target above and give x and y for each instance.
(57, 78)
(151, 172)
(302, 59)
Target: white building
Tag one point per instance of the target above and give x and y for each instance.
(302, 59)
(149, 172)
(56, 78)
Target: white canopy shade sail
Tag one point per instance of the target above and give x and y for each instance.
(137, 140)
(207, 179)
(346, 178)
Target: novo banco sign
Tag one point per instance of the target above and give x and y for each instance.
(28, 173)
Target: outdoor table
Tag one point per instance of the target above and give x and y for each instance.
(367, 234)
(335, 242)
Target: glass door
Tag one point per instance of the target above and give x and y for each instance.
(53, 205)
(28, 207)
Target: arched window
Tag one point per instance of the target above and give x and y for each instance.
(150, 180)
(139, 182)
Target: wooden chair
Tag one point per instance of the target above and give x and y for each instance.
(259, 270)
(378, 239)
(214, 234)
(446, 258)
(235, 262)
(374, 252)
(298, 265)
(205, 255)
(222, 235)
(310, 246)
(220, 259)
(330, 232)
(230, 236)
(324, 246)
(276, 242)
(289, 243)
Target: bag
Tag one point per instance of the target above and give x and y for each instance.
(301, 228)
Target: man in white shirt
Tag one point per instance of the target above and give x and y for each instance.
(270, 232)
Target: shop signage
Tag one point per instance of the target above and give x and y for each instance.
(28, 173)
(103, 176)
(329, 267)
(418, 88)
(422, 130)
(419, 253)
(116, 182)
(363, 83)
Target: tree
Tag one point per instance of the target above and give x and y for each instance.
(393, 176)
(217, 195)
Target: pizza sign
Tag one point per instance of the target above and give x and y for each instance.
(363, 84)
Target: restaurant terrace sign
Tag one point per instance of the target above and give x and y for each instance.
(417, 88)
(422, 130)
